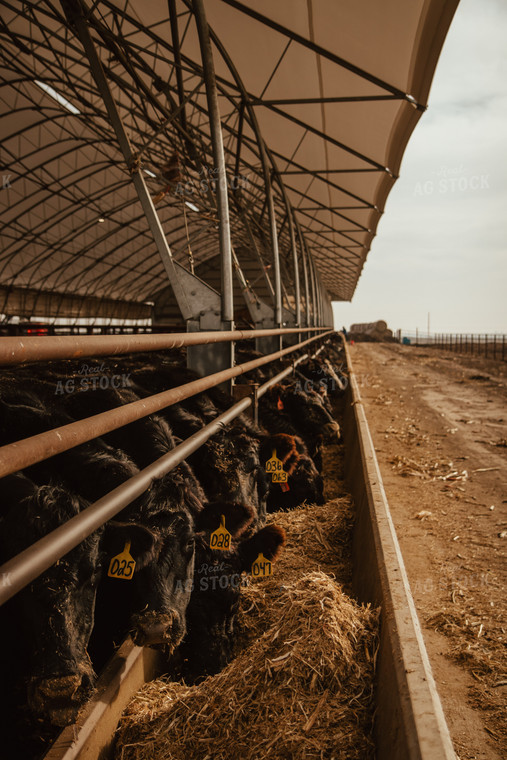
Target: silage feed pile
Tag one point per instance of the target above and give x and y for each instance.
(300, 688)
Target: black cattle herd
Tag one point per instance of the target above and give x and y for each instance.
(156, 571)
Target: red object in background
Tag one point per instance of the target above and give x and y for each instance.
(352, 342)
(279, 404)
(33, 328)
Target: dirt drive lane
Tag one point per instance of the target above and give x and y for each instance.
(439, 426)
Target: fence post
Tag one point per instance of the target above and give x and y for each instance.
(486, 344)
(503, 347)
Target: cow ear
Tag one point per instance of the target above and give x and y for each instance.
(269, 541)
(237, 517)
(143, 541)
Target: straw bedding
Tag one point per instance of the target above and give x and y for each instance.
(301, 683)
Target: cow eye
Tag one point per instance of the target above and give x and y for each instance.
(190, 545)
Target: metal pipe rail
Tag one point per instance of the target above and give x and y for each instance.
(16, 456)
(18, 350)
(29, 564)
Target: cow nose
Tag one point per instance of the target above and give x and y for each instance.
(153, 630)
(151, 634)
(59, 687)
(60, 697)
(332, 431)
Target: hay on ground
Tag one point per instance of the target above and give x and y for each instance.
(303, 689)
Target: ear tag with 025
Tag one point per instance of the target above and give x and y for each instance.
(123, 565)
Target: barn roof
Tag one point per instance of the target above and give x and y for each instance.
(336, 87)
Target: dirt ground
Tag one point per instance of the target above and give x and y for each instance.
(439, 424)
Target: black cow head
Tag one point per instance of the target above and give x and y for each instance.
(309, 413)
(229, 469)
(55, 612)
(304, 484)
(152, 602)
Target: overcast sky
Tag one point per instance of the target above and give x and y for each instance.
(441, 244)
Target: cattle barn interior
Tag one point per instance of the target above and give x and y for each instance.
(185, 466)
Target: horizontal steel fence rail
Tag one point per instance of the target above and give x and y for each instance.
(489, 345)
(29, 564)
(19, 350)
(16, 456)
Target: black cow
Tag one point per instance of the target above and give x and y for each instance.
(218, 578)
(54, 614)
(229, 469)
(304, 482)
(165, 510)
(288, 409)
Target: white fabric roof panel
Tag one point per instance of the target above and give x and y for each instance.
(328, 81)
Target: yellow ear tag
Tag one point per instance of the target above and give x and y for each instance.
(262, 567)
(279, 477)
(122, 566)
(274, 464)
(220, 539)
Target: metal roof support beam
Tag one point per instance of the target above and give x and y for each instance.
(173, 19)
(219, 158)
(75, 13)
(202, 358)
(267, 184)
(323, 52)
(311, 101)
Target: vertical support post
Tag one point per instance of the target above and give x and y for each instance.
(219, 158)
(319, 300)
(314, 296)
(226, 358)
(274, 243)
(305, 278)
(295, 263)
(173, 19)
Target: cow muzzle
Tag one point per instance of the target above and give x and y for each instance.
(331, 432)
(59, 698)
(152, 629)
